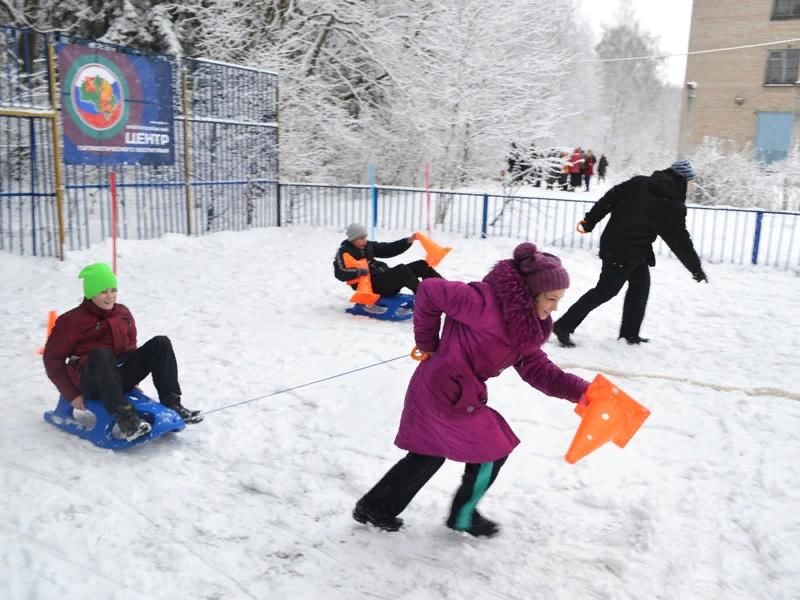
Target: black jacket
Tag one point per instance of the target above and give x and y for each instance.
(641, 209)
(372, 251)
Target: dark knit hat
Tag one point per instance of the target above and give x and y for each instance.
(541, 271)
(355, 231)
(683, 168)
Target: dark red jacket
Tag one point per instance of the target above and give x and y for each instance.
(80, 331)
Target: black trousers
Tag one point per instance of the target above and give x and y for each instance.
(103, 379)
(612, 277)
(391, 281)
(393, 493)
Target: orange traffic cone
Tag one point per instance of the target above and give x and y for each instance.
(364, 293)
(610, 415)
(434, 253)
(51, 322)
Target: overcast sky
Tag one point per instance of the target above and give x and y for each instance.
(668, 21)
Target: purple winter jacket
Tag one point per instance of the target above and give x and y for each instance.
(489, 326)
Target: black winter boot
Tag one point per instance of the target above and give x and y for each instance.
(367, 515)
(131, 426)
(635, 340)
(481, 526)
(563, 336)
(173, 402)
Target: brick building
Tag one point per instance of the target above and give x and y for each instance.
(749, 96)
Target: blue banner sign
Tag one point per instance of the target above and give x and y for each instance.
(117, 107)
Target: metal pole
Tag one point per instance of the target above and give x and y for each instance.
(112, 182)
(57, 166)
(187, 153)
(756, 238)
(686, 140)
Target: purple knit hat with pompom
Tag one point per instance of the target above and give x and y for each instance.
(541, 271)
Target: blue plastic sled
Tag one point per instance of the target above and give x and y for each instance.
(397, 308)
(162, 419)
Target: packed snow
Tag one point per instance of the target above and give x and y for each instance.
(255, 502)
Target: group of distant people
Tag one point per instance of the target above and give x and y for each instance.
(554, 168)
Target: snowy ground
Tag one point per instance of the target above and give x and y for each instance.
(255, 502)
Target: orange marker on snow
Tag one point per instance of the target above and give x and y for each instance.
(51, 322)
(434, 253)
(610, 416)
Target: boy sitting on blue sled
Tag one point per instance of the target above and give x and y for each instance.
(386, 280)
(92, 353)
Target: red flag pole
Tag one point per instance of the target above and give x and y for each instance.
(112, 180)
(428, 194)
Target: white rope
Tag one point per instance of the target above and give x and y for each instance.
(692, 53)
(759, 391)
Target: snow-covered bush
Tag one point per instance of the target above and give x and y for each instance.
(727, 177)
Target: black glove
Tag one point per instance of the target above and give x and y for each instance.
(362, 272)
(699, 276)
(586, 226)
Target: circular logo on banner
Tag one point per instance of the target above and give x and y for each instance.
(97, 93)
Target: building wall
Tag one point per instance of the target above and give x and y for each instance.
(722, 77)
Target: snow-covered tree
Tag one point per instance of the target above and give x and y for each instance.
(640, 127)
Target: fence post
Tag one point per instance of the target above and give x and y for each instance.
(485, 216)
(374, 208)
(278, 203)
(187, 148)
(757, 237)
(56, 140)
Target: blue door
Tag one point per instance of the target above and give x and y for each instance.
(773, 135)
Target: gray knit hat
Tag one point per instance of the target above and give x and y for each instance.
(683, 168)
(541, 271)
(355, 231)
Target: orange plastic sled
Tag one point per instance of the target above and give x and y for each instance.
(610, 415)
(51, 322)
(434, 253)
(364, 293)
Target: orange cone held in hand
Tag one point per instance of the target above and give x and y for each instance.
(364, 293)
(51, 322)
(610, 416)
(434, 253)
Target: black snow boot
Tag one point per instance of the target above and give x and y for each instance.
(481, 526)
(563, 336)
(173, 402)
(131, 426)
(635, 340)
(368, 515)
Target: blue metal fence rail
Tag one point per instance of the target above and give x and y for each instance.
(730, 235)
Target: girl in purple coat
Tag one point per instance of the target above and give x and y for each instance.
(489, 326)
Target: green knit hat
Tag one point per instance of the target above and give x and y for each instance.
(97, 278)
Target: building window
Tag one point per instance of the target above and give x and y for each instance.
(782, 66)
(786, 9)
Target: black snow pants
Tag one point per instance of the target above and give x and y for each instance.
(391, 281)
(612, 277)
(106, 380)
(392, 494)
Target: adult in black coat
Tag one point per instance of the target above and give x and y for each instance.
(385, 280)
(602, 165)
(641, 209)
